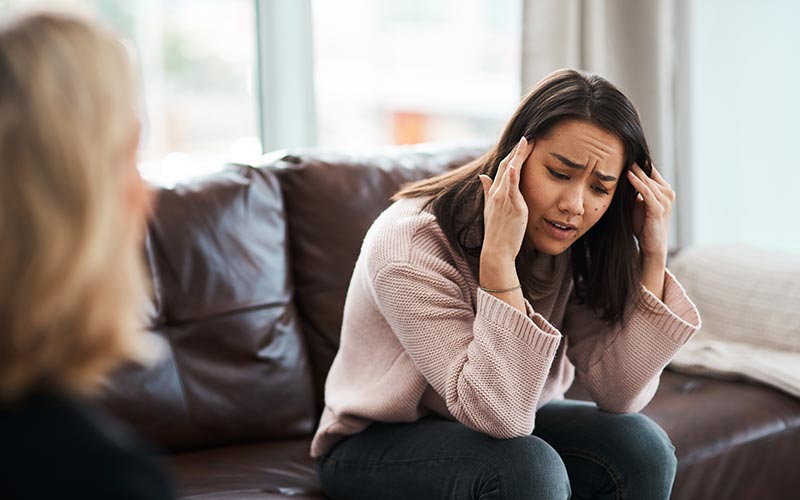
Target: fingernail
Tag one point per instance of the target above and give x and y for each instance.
(523, 140)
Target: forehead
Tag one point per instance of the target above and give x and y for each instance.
(585, 143)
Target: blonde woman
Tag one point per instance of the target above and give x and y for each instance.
(72, 214)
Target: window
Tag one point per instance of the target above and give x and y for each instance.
(389, 72)
(197, 60)
(385, 72)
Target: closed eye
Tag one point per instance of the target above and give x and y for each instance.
(558, 175)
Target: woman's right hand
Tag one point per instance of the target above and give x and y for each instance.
(505, 213)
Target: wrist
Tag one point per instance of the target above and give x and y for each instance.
(654, 258)
(500, 290)
(653, 272)
(497, 272)
(496, 260)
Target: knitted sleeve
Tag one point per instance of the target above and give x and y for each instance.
(489, 364)
(620, 365)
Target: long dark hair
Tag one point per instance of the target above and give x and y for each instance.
(605, 263)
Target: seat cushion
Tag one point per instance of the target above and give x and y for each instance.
(260, 471)
(733, 439)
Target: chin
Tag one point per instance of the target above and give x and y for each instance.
(550, 247)
(556, 252)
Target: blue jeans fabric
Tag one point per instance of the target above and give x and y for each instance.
(576, 451)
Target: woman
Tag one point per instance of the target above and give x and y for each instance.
(72, 215)
(479, 296)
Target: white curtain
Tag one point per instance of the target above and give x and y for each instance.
(638, 45)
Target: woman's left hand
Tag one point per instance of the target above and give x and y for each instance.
(652, 212)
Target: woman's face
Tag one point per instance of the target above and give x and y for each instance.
(569, 180)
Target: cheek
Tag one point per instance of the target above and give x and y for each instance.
(597, 210)
(536, 192)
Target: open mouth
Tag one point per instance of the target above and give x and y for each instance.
(559, 230)
(563, 227)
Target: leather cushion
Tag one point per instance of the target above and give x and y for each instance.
(234, 366)
(256, 471)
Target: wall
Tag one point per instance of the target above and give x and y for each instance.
(744, 88)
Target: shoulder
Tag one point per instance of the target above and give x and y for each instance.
(406, 248)
(404, 233)
(87, 454)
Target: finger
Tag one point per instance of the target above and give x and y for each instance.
(636, 168)
(658, 191)
(656, 175)
(501, 170)
(515, 165)
(486, 182)
(504, 183)
(651, 197)
(525, 154)
(663, 185)
(644, 190)
(519, 152)
(512, 182)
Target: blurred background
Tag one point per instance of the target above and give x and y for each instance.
(714, 81)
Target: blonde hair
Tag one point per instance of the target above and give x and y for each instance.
(71, 281)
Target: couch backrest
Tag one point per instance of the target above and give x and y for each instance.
(250, 268)
(331, 199)
(234, 365)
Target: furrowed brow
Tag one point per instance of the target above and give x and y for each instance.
(604, 177)
(571, 164)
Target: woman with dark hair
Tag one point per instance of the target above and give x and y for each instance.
(482, 293)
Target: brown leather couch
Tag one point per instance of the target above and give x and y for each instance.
(250, 268)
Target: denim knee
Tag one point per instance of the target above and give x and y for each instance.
(527, 467)
(643, 443)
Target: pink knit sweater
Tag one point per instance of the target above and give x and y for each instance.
(419, 336)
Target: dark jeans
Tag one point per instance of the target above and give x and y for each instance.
(575, 451)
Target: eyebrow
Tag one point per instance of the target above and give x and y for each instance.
(572, 164)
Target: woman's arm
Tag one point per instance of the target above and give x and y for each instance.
(620, 364)
(651, 219)
(505, 217)
(654, 270)
(489, 364)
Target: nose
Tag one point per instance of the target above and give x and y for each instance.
(571, 201)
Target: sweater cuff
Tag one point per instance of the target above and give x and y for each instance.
(677, 316)
(532, 328)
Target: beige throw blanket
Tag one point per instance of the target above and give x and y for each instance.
(749, 300)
